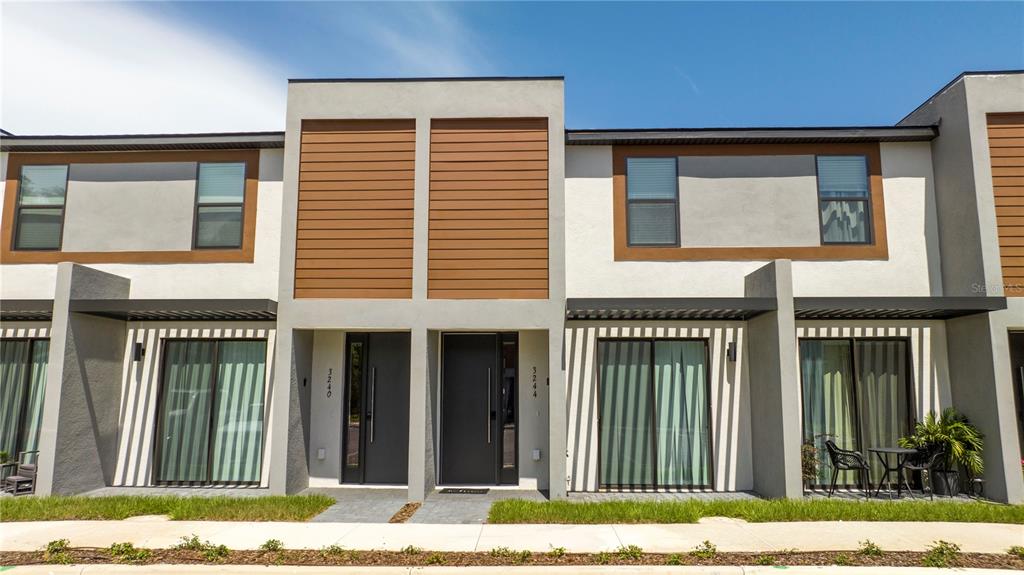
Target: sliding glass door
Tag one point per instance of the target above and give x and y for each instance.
(210, 425)
(653, 423)
(856, 393)
(22, 386)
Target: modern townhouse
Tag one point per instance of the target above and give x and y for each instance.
(428, 283)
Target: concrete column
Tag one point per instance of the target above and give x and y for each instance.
(78, 436)
(300, 376)
(774, 384)
(421, 213)
(421, 457)
(280, 401)
(557, 416)
(981, 382)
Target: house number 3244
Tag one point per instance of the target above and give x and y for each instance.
(533, 380)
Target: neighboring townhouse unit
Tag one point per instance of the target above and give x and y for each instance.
(432, 282)
(139, 283)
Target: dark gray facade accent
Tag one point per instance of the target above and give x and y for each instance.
(299, 395)
(179, 309)
(668, 308)
(894, 307)
(774, 384)
(752, 135)
(78, 441)
(142, 142)
(26, 309)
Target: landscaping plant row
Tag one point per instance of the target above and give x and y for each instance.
(193, 551)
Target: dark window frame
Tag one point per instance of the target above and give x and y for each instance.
(855, 374)
(20, 441)
(19, 207)
(240, 205)
(869, 236)
(649, 201)
(158, 426)
(654, 485)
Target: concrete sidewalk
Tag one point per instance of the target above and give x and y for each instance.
(726, 534)
(524, 570)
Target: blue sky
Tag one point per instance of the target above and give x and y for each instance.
(626, 64)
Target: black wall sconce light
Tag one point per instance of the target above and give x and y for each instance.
(730, 351)
(138, 352)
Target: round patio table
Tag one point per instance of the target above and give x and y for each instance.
(884, 454)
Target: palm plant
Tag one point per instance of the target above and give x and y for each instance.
(962, 441)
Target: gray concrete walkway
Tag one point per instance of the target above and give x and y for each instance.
(525, 570)
(377, 505)
(726, 534)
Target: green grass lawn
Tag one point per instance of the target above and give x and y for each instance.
(269, 508)
(755, 511)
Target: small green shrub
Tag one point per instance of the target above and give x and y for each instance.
(765, 560)
(633, 552)
(57, 552)
(942, 554)
(411, 550)
(511, 554)
(332, 551)
(1017, 551)
(190, 543)
(435, 559)
(705, 550)
(868, 548)
(272, 545)
(674, 559)
(842, 559)
(602, 558)
(215, 552)
(556, 552)
(127, 553)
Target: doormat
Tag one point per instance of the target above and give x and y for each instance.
(464, 491)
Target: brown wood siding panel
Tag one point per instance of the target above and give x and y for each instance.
(355, 214)
(488, 235)
(1006, 148)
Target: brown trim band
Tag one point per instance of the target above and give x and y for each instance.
(879, 250)
(244, 254)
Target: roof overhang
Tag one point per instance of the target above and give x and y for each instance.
(939, 307)
(178, 309)
(752, 135)
(26, 309)
(718, 308)
(145, 142)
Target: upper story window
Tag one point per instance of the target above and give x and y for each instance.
(844, 199)
(652, 202)
(39, 220)
(220, 198)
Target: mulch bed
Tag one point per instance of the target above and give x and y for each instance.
(420, 558)
(405, 513)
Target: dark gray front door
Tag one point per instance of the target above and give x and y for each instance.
(375, 442)
(469, 409)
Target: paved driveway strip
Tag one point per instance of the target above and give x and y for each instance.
(726, 534)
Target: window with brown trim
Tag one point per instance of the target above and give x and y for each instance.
(652, 202)
(220, 203)
(39, 221)
(844, 199)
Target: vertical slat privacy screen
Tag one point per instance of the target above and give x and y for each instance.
(652, 197)
(654, 426)
(22, 386)
(857, 394)
(211, 412)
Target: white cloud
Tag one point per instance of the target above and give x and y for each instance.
(418, 39)
(116, 68)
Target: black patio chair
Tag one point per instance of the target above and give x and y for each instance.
(847, 460)
(925, 460)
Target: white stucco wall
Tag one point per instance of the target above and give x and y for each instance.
(912, 268)
(730, 397)
(113, 207)
(258, 279)
(140, 385)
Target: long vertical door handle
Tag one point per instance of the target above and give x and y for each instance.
(373, 399)
(487, 414)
